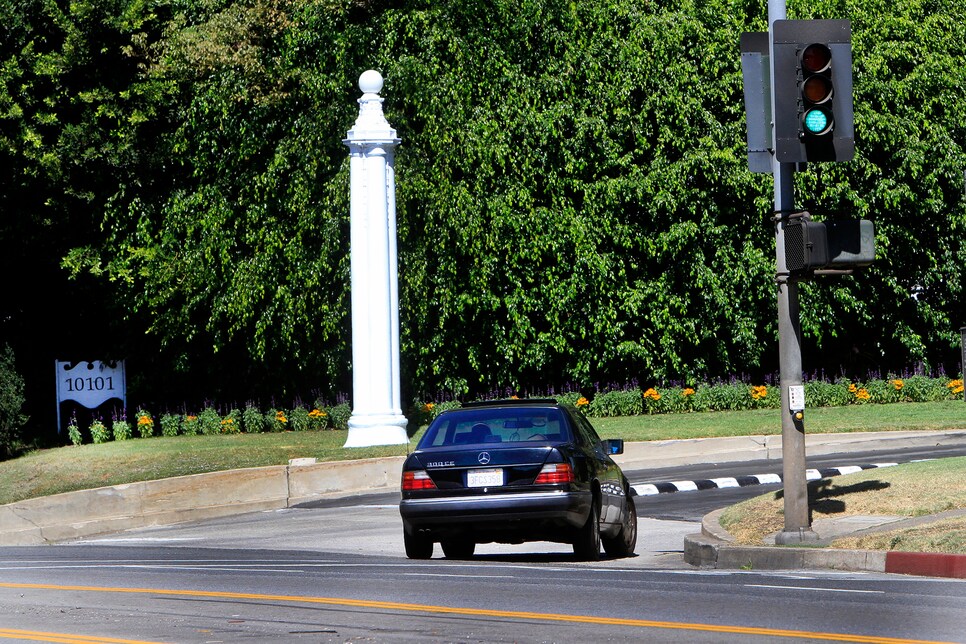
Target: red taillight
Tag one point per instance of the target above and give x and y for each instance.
(417, 480)
(555, 473)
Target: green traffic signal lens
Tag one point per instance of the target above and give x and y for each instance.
(817, 122)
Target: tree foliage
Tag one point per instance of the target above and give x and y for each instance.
(573, 198)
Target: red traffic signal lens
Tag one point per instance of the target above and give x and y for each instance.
(816, 58)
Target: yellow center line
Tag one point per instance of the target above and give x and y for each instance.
(484, 612)
(63, 638)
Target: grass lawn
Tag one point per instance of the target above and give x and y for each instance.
(909, 490)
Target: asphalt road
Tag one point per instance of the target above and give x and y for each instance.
(335, 571)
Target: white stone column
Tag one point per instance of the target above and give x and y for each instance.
(377, 417)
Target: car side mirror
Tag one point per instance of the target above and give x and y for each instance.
(614, 446)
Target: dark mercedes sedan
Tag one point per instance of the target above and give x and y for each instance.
(512, 471)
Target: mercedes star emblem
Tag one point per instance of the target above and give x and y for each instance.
(484, 458)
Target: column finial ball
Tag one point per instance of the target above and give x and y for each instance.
(370, 82)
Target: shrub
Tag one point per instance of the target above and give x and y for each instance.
(885, 391)
(340, 415)
(955, 387)
(11, 404)
(654, 402)
(121, 428)
(277, 420)
(680, 400)
(253, 420)
(232, 423)
(819, 393)
(145, 423)
(298, 419)
(573, 398)
(190, 426)
(617, 403)
(318, 419)
(99, 433)
(860, 395)
(74, 432)
(925, 389)
(209, 421)
(721, 396)
(170, 424)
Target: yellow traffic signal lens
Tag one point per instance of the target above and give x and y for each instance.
(817, 89)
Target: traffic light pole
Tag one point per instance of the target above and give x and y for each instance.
(797, 528)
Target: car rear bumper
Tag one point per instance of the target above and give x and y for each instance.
(520, 516)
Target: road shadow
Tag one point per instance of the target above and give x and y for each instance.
(539, 557)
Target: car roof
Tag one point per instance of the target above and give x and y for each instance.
(511, 402)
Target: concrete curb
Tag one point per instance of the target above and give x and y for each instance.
(714, 548)
(86, 513)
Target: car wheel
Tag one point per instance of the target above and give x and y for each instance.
(587, 543)
(623, 544)
(417, 547)
(458, 548)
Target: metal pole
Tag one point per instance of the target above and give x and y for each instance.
(797, 528)
(962, 363)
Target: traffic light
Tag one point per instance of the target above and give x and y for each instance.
(832, 244)
(813, 90)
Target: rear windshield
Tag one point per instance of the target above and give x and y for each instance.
(487, 426)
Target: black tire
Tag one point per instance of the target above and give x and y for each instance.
(417, 547)
(458, 548)
(624, 542)
(587, 543)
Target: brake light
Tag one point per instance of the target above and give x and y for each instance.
(417, 480)
(555, 473)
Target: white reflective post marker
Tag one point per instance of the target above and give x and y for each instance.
(377, 417)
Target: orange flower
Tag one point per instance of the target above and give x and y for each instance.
(759, 392)
(582, 402)
(652, 394)
(687, 391)
(898, 384)
(863, 394)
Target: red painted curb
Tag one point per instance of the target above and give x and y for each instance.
(926, 564)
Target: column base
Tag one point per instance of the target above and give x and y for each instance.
(796, 537)
(377, 429)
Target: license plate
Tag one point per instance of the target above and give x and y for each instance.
(484, 478)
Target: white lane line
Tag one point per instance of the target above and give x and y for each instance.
(137, 540)
(439, 574)
(826, 590)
